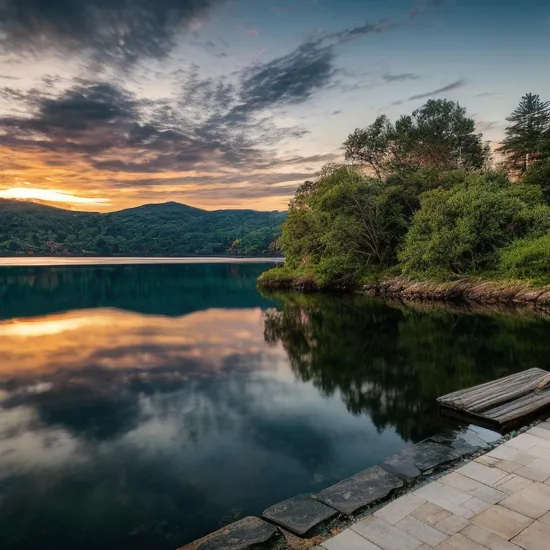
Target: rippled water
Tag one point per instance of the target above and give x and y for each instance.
(144, 406)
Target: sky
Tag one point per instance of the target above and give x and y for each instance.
(110, 104)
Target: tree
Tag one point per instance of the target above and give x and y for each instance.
(528, 135)
(371, 145)
(439, 136)
(342, 225)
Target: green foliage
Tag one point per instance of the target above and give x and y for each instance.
(460, 230)
(342, 225)
(527, 258)
(528, 135)
(170, 229)
(371, 145)
(438, 136)
(539, 174)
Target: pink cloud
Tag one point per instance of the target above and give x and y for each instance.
(251, 32)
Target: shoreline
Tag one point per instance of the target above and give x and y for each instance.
(463, 291)
(276, 531)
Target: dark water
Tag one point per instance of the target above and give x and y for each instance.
(142, 407)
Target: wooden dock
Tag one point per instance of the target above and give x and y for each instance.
(502, 404)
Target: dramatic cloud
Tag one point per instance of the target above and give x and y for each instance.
(292, 78)
(109, 30)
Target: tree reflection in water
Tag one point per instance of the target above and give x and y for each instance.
(392, 362)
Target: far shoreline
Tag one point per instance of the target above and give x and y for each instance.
(44, 261)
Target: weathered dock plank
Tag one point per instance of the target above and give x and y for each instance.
(501, 403)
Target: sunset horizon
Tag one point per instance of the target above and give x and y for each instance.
(233, 104)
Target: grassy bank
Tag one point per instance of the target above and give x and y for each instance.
(475, 290)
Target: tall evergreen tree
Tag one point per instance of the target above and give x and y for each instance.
(528, 135)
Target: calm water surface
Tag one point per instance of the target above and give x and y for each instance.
(144, 406)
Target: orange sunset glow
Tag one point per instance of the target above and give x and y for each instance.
(45, 345)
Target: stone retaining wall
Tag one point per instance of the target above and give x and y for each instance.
(309, 515)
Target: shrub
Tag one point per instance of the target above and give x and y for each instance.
(539, 174)
(459, 230)
(342, 225)
(527, 258)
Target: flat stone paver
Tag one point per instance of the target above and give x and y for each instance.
(499, 501)
(514, 483)
(399, 508)
(459, 542)
(484, 474)
(421, 531)
(359, 490)
(532, 473)
(241, 535)
(535, 537)
(300, 514)
(384, 535)
(487, 539)
(503, 522)
(349, 540)
(431, 514)
(533, 501)
(414, 461)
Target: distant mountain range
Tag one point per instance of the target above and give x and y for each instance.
(169, 229)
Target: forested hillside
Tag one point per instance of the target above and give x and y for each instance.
(170, 229)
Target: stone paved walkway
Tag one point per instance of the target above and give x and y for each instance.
(499, 501)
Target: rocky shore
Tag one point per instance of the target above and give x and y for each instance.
(467, 290)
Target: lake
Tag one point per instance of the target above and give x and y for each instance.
(143, 406)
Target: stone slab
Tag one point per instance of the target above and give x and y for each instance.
(360, 490)
(431, 514)
(299, 514)
(241, 535)
(399, 508)
(421, 531)
(459, 542)
(462, 441)
(418, 459)
(443, 495)
(384, 535)
(533, 501)
(489, 436)
(503, 522)
(348, 540)
(535, 537)
(484, 474)
(487, 539)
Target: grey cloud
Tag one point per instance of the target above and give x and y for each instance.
(120, 31)
(388, 77)
(449, 87)
(452, 86)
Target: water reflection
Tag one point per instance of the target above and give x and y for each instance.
(393, 362)
(141, 407)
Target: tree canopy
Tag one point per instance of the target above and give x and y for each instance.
(528, 134)
(437, 135)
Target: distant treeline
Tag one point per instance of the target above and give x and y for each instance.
(422, 197)
(170, 229)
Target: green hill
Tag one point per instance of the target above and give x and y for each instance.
(170, 229)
